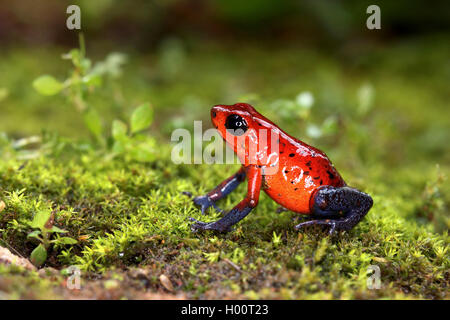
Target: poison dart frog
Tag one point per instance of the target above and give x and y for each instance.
(294, 174)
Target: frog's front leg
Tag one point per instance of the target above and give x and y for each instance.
(219, 192)
(339, 208)
(241, 210)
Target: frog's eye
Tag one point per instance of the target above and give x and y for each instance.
(236, 125)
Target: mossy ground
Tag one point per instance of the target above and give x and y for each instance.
(131, 218)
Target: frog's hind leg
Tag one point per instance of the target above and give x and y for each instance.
(340, 208)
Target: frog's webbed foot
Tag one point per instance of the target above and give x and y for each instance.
(205, 202)
(239, 212)
(203, 226)
(219, 192)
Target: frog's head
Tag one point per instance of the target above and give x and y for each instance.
(232, 120)
(237, 123)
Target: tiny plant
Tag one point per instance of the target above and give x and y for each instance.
(44, 229)
(126, 139)
(83, 79)
(276, 239)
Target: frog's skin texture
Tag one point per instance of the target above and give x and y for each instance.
(302, 178)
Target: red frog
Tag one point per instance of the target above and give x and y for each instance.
(297, 176)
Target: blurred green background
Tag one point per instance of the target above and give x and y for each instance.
(373, 99)
(185, 56)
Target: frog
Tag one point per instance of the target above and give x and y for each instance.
(297, 176)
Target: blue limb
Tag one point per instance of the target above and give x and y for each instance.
(241, 210)
(339, 208)
(219, 192)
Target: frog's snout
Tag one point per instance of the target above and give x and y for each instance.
(215, 112)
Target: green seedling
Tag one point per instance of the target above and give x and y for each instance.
(83, 80)
(126, 138)
(43, 223)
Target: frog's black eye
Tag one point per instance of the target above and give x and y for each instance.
(236, 125)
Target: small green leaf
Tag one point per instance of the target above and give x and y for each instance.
(93, 79)
(40, 219)
(85, 65)
(93, 122)
(119, 130)
(73, 55)
(34, 234)
(141, 118)
(67, 240)
(47, 85)
(58, 230)
(118, 147)
(142, 152)
(39, 255)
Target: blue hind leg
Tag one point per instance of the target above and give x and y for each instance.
(339, 208)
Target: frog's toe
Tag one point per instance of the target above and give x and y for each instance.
(281, 209)
(332, 224)
(187, 193)
(204, 202)
(198, 225)
(217, 208)
(201, 200)
(202, 226)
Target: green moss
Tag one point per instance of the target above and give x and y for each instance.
(131, 214)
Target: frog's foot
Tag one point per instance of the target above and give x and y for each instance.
(333, 224)
(205, 202)
(202, 226)
(281, 209)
